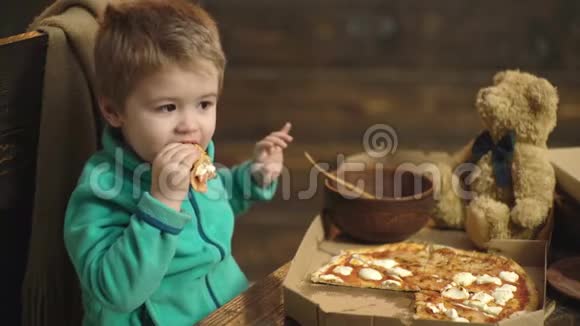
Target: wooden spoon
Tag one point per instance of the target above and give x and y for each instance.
(347, 184)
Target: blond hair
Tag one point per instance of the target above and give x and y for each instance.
(139, 37)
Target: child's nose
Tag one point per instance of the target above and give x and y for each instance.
(187, 127)
(187, 123)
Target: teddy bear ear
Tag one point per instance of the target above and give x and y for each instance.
(541, 95)
(499, 77)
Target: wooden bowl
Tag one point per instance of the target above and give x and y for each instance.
(402, 207)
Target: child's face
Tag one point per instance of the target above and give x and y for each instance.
(171, 105)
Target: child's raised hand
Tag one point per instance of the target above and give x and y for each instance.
(170, 172)
(269, 155)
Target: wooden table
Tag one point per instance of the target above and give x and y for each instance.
(263, 304)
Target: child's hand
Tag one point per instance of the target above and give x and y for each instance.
(171, 170)
(269, 156)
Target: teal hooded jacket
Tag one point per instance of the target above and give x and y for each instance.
(140, 262)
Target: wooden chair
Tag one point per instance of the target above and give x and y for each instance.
(22, 59)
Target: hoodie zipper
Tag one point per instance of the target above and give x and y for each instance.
(208, 240)
(201, 231)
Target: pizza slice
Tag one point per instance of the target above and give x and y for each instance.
(479, 272)
(393, 267)
(203, 170)
(491, 284)
(401, 262)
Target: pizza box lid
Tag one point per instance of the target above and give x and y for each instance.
(325, 305)
(566, 163)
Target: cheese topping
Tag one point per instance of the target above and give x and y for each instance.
(475, 304)
(392, 283)
(482, 296)
(504, 294)
(452, 313)
(330, 277)
(441, 307)
(398, 271)
(484, 279)
(342, 270)
(509, 276)
(357, 260)
(492, 310)
(502, 297)
(456, 293)
(204, 168)
(449, 286)
(385, 263)
(508, 287)
(484, 307)
(478, 305)
(464, 278)
(432, 307)
(370, 274)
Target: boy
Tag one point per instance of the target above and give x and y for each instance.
(147, 248)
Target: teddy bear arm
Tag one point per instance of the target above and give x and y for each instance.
(449, 211)
(534, 182)
(487, 219)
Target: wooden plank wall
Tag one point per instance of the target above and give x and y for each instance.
(336, 67)
(17, 15)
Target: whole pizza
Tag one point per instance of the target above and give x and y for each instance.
(448, 283)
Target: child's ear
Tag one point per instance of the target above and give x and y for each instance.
(110, 112)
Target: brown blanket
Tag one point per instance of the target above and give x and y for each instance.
(69, 134)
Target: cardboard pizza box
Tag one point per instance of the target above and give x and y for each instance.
(328, 305)
(566, 163)
(324, 305)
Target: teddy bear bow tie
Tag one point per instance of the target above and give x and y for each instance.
(502, 155)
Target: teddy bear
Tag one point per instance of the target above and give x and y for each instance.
(501, 184)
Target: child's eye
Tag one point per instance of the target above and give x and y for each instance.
(166, 108)
(204, 105)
